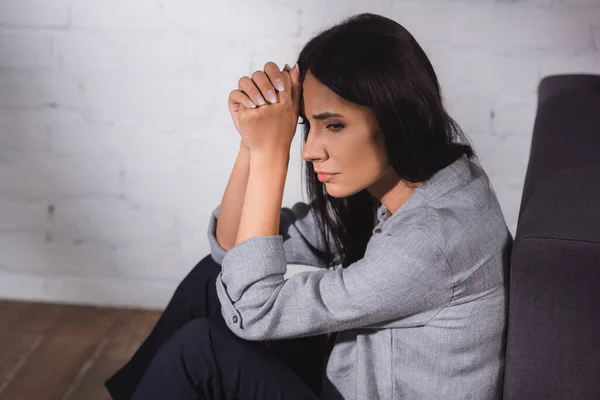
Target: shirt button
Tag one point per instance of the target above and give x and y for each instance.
(235, 319)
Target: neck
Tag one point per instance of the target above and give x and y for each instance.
(392, 191)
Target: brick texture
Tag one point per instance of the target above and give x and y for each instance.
(116, 142)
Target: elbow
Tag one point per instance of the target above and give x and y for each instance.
(250, 332)
(225, 244)
(256, 324)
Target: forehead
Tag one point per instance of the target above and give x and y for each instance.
(318, 98)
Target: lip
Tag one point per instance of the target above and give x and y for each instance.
(325, 177)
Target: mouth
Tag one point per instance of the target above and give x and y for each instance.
(325, 177)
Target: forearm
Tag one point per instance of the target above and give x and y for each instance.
(261, 210)
(230, 210)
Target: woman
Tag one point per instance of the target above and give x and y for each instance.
(411, 239)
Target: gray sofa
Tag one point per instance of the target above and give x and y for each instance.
(553, 343)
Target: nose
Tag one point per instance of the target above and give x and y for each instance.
(313, 151)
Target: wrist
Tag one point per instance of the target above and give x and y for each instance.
(271, 160)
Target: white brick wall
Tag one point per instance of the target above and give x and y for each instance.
(116, 142)
(34, 13)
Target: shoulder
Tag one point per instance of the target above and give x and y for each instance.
(409, 248)
(455, 229)
(468, 217)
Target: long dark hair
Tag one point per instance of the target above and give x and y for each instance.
(373, 61)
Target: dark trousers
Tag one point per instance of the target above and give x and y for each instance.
(191, 354)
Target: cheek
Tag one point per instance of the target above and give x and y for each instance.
(361, 161)
(369, 157)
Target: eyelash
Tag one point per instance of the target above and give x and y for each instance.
(334, 130)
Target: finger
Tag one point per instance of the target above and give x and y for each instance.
(247, 86)
(275, 75)
(296, 84)
(261, 80)
(287, 69)
(237, 97)
(292, 81)
(287, 82)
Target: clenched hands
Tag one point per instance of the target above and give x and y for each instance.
(265, 109)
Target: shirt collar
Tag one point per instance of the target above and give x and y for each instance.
(452, 176)
(382, 213)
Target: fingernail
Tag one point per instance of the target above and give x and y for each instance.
(250, 104)
(271, 96)
(279, 84)
(258, 99)
(296, 67)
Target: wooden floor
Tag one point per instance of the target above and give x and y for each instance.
(65, 352)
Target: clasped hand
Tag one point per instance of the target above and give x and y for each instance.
(265, 109)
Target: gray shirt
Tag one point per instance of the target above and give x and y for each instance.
(421, 316)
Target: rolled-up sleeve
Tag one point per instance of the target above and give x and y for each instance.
(403, 276)
(217, 252)
(302, 242)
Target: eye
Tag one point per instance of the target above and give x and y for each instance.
(332, 127)
(335, 127)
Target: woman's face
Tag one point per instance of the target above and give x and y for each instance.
(347, 144)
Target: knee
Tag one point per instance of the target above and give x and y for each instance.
(203, 273)
(192, 336)
(195, 328)
(189, 352)
(205, 268)
(205, 337)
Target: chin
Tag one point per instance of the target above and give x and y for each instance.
(334, 191)
(339, 192)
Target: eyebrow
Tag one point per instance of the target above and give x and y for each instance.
(325, 115)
